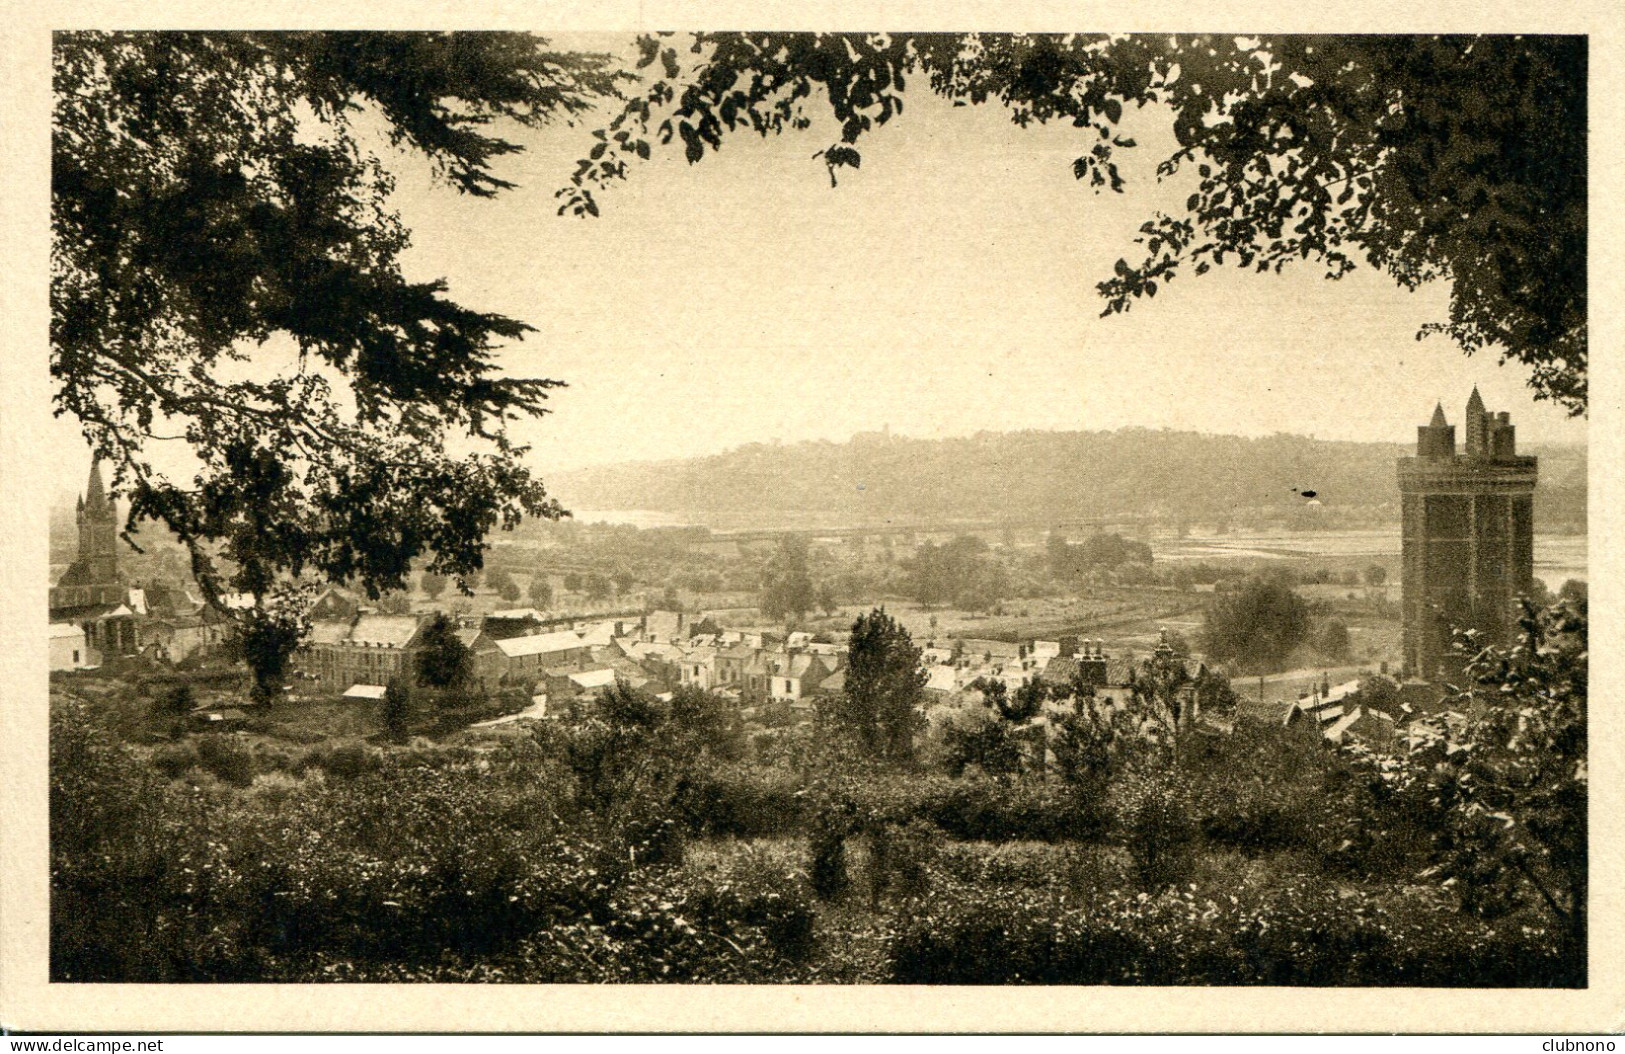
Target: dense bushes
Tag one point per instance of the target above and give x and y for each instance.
(1154, 819)
(827, 862)
(983, 809)
(766, 801)
(226, 759)
(389, 869)
(1304, 934)
(745, 802)
(635, 845)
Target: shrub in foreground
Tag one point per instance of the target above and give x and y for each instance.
(1297, 935)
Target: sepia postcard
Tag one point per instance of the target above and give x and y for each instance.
(1059, 520)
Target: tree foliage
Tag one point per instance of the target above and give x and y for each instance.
(1256, 628)
(217, 197)
(1333, 640)
(1458, 158)
(787, 586)
(443, 660)
(396, 711)
(395, 604)
(983, 740)
(1017, 707)
(1100, 551)
(265, 636)
(1507, 773)
(707, 722)
(960, 572)
(884, 682)
(1098, 741)
(501, 580)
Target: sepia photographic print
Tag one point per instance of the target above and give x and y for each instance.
(824, 510)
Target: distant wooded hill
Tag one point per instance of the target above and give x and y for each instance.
(1039, 476)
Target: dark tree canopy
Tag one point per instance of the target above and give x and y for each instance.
(396, 710)
(884, 686)
(1460, 158)
(443, 660)
(1256, 628)
(787, 586)
(981, 740)
(215, 191)
(960, 572)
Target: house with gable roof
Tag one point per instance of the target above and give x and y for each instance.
(527, 655)
(370, 650)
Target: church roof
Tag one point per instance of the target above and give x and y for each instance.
(89, 612)
(1438, 416)
(1475, 402)
(79, 573)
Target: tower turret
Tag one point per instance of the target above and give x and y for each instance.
(1477, 426)
(1437, 438)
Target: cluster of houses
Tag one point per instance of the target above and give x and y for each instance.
(1345, 714)
(97, 615)
(155, 621)
(356, 652)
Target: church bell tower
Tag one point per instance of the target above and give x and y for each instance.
(98, 530)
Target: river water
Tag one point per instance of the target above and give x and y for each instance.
(1558, 557)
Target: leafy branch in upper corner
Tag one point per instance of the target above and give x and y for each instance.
(213, 191)
(1457, 158)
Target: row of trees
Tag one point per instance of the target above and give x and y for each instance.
(1073, 563)
(962, 572)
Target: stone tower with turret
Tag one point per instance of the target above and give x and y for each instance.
(1468, 535)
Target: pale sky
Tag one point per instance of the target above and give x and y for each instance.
(945, 288)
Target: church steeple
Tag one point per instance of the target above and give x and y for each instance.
(98, 523)
(1438, 416)
(95, 493)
